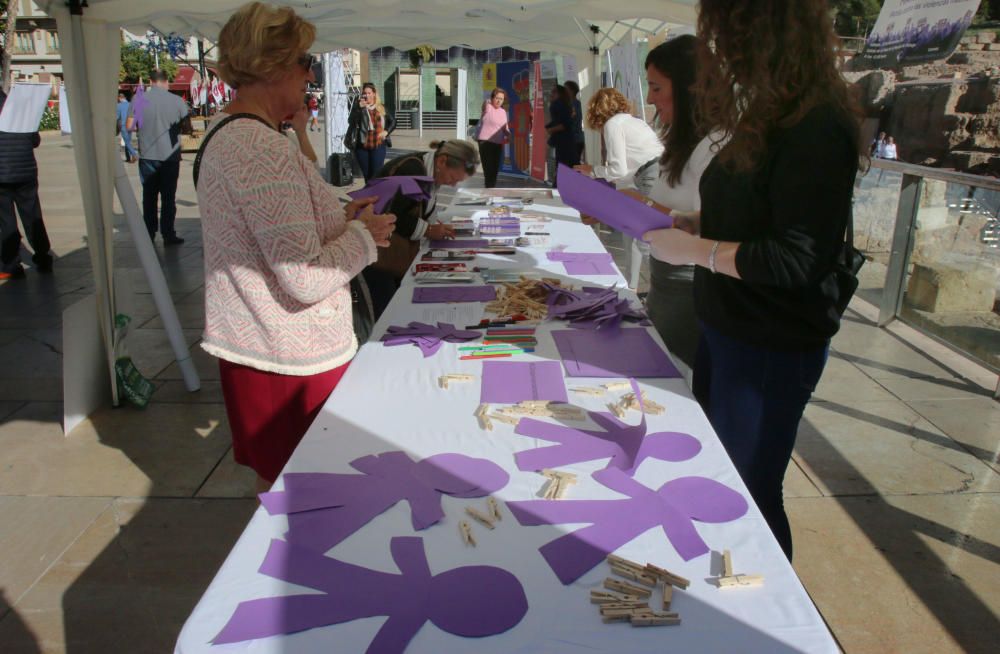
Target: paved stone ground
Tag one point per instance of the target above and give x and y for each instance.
(109, 535)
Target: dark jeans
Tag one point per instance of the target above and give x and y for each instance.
(490, 154)
(130, 153)
(24, 196)
(567, 154)
(370, 160)
(754, 398)
(159, 181)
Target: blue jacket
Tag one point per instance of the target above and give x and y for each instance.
(17, 154)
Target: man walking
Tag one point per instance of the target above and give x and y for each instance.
(156, 116)
(122, 114)
(19, 188)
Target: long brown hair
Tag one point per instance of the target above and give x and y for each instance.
(675, 61)
(763, 65)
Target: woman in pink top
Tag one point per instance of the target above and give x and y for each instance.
(492, 134)
(279, 250)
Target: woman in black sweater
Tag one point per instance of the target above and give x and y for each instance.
(775, 205)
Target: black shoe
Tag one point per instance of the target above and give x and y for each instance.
(16, 272)
(43, 264)
(172, 240)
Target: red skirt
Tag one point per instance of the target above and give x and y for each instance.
(269, 413)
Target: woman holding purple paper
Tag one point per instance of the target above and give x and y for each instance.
(773, 271)
(280, 251)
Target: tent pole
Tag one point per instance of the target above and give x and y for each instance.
(100, 254)
(154, 275)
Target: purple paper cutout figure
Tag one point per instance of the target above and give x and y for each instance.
(428, 337)
(139, 104)
(416, 187)
(592, 307)
(471, 601)
(627, 445)
(325, 508)
(613, 523)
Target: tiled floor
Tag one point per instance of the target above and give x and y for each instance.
(109, 535)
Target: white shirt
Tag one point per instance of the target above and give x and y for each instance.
(684, 195)
(629, 143)
(890, 151)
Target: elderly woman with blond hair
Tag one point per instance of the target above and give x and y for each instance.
(280, 251)
(633, 153)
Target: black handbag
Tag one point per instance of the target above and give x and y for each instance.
(846, 268)
(362, 309)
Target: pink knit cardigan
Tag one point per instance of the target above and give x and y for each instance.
(279, 255)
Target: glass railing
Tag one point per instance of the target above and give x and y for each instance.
(932, 240)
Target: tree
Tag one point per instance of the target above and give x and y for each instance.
(138, 62)
(8, 11)
(855, 17)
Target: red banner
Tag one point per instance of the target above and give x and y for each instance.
(539, 139)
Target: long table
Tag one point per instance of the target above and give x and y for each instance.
(389, 400)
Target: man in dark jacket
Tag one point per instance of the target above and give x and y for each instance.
(19, 187)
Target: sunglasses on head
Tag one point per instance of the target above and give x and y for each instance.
(307, 61)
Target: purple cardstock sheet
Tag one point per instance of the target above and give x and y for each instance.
(592, 307)
(440, 294)
(566, 257)
(326, 508)
(516, 381)
(673, 507)
(590, 268)
(386, 188)
(614, 209)
(458, 243)
(620, 353)
(470, 601)
(428, 337)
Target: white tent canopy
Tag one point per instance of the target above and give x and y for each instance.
(90, 41)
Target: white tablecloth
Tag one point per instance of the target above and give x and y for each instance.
(389, 399)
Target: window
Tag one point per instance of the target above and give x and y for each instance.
(52, 42)
(24, 44)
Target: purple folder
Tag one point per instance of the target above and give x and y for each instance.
(614, 209)
(516, 381)
(619, 353)
(432, 294)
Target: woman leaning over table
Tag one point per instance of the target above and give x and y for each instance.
(633, 150)
(279, 250)
(450, 163)
(491, 134)
(775, 205)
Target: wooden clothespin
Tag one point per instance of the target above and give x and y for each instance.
(479, 517)
(558, 483)
(731, 580)
(445, 379)
(626, 588)
(494, 507)
(618, 386)
(655, 620)
(588, 390)
(465, 529)
(617, 409)
(668, 596)
(502, 417)
(484, 420)
(667, 576)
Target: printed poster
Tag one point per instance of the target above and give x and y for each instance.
(515, 78)
(915, 31)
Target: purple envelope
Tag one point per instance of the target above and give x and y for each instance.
(432, 294)
(386, 188)
(614, 209)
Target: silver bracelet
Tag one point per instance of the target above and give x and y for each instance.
(711, 256)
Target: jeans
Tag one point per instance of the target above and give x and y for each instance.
(370, 160)
(130, 153)
(490, 154)
(159, 182)
(23, 195)
(755, 397)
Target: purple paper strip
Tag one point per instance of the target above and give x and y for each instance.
(614, 523)
(614, 209)
(139, 104)
(453, 600)
(621, 353)
(513, 382)
(458, 243)
(559, 255)
(432, 294)
(590, 268)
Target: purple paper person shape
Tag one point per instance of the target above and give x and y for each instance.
(627, 445)
(139, 103)
(325, 508)
(428, 337)
(613, 523)
(471, 601)
(386, 188)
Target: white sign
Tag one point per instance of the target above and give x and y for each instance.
(64, 125)
(569, 69)
(24, 107)
(625, 74)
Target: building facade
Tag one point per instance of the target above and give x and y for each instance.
(35, 53)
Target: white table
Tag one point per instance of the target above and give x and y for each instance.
(389, 400)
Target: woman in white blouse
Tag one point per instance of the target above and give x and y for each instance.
(633, 151)
(670, 73)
